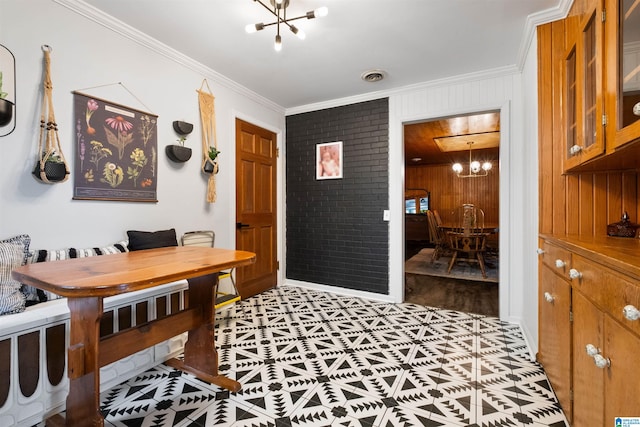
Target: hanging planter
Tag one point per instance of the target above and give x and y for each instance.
(6, 111)
(210, 165)
(178, 152)
(51, 170)
(209, 141)
(7, 91)
(51, 166)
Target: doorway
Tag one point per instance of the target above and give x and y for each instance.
(256, 207)
(430, 149)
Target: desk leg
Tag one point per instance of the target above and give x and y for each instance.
(83, 401)
(200, 355)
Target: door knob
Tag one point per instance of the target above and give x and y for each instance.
(240, 225)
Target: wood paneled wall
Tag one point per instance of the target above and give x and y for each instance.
(584, 203)
(448, 191)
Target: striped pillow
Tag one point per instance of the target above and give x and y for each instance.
(35, 295)
(11, 299)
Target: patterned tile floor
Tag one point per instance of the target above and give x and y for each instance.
(308, 358)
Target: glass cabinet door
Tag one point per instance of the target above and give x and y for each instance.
(584, 94)
(623, 85)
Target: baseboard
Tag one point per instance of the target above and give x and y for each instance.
(338, 290)
(529, 339)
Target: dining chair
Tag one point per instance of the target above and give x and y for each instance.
(437, 236)
(206, 238)
(436, 215)
(470, 245)
(468, 219)
(467, 238)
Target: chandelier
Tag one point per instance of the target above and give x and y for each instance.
(475, 169)
(278, 9)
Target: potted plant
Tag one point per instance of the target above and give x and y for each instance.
(178, 152)
(211, 166)
(6, 106)
(55, 170)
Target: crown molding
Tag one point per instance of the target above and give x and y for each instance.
(369, 96)
(119, 27)
(535, 19)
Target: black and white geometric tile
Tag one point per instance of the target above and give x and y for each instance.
(309, 358)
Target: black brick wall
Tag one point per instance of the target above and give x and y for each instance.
(335, 232)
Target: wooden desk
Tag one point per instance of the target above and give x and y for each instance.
(87, 281)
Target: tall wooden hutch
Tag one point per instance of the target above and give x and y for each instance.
(589, 147)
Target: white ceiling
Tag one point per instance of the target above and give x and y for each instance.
(412, 41)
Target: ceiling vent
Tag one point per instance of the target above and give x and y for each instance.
(372, 76)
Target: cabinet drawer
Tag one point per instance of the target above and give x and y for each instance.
(608, 289)
(558, 259)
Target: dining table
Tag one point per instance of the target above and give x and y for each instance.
(85, 282)
(488, 228)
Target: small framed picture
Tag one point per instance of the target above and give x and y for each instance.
(329, 160)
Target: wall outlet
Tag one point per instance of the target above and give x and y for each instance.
(385, 215)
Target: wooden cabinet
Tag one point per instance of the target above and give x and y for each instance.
(416, 227)
(606, 347)
(601, 81)
(555, 327)
(592, 362)
(588, 64)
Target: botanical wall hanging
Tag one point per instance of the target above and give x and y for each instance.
(51, 166)
(209, 141)
(116, 151)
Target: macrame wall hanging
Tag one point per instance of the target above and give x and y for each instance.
(51, 166)
(209, 140)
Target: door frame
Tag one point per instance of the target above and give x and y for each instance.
(396, 201)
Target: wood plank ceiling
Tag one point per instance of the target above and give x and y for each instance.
(445, 141)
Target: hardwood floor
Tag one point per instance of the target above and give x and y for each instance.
(452, 294)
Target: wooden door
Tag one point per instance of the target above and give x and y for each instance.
(555, 334)
(256, 207)
(588, 380)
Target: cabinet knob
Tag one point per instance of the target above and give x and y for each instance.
(560, 263)
(631, 313)
(548, 297)
(539, 251)
(592, 350)
(575, 149)
(574, 274)
(601, 361)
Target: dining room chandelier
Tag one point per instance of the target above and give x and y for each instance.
(278, 8)
(475, 168)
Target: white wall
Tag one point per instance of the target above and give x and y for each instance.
(88, 54)
(529, 166)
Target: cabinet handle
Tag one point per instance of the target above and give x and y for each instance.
(631, 313)
(574, 274)
(548, 297)
(560, 263)
(601, 361)
(575, 149)
(592, 350)
(539, 251)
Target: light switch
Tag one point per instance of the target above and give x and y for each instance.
(385, 215)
